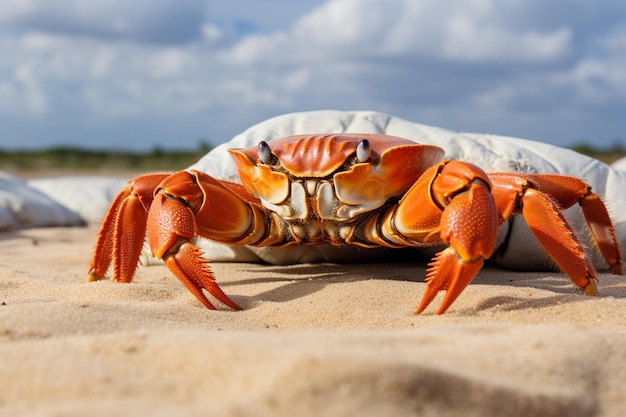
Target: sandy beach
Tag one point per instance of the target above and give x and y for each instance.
(327, 339)
(312, 340)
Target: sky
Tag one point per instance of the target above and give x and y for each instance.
(142, 74)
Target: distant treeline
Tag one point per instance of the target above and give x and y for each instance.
(607, 154)
(75, 158)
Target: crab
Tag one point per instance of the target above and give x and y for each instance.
(368, 190)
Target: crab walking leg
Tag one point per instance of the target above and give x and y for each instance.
(552, 230)
(103, 249)
(567, 191)
(130, 233)
(468, 224)
(602, 230)
(123, 230)
(515, 193)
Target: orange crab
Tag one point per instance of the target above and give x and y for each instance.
(368, 190)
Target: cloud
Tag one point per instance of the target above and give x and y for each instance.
(480, 65)
(167, 21)
(25, 92)
(507, 67)
(468, 31)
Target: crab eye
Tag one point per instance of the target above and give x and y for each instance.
(363, 150)
(265, 153)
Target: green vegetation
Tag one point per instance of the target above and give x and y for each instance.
(608, 155)
(73, 159)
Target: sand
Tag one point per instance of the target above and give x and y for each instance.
(312, 340)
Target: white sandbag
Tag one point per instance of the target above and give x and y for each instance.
(490, 152)
(23, 206)
(90, 196)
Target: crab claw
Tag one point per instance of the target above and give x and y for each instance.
(193, 271)
(451, 273)
(469, 225)
(171, 226)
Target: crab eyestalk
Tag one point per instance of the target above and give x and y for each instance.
(363, 150)
(265, 153)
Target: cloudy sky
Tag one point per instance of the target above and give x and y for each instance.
(168, 73)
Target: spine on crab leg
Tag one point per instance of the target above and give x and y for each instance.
(123, 230)
(457, 204)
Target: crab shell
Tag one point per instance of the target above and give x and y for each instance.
(392, 167)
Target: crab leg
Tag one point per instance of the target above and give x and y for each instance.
(468, 224)
(518, 193)
(568, 191)
(554, 233)
(601, 228)
(123, 230)
(103, 249)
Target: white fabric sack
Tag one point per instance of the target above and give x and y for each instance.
(23, 206)
(490, 152)
(90, 196)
